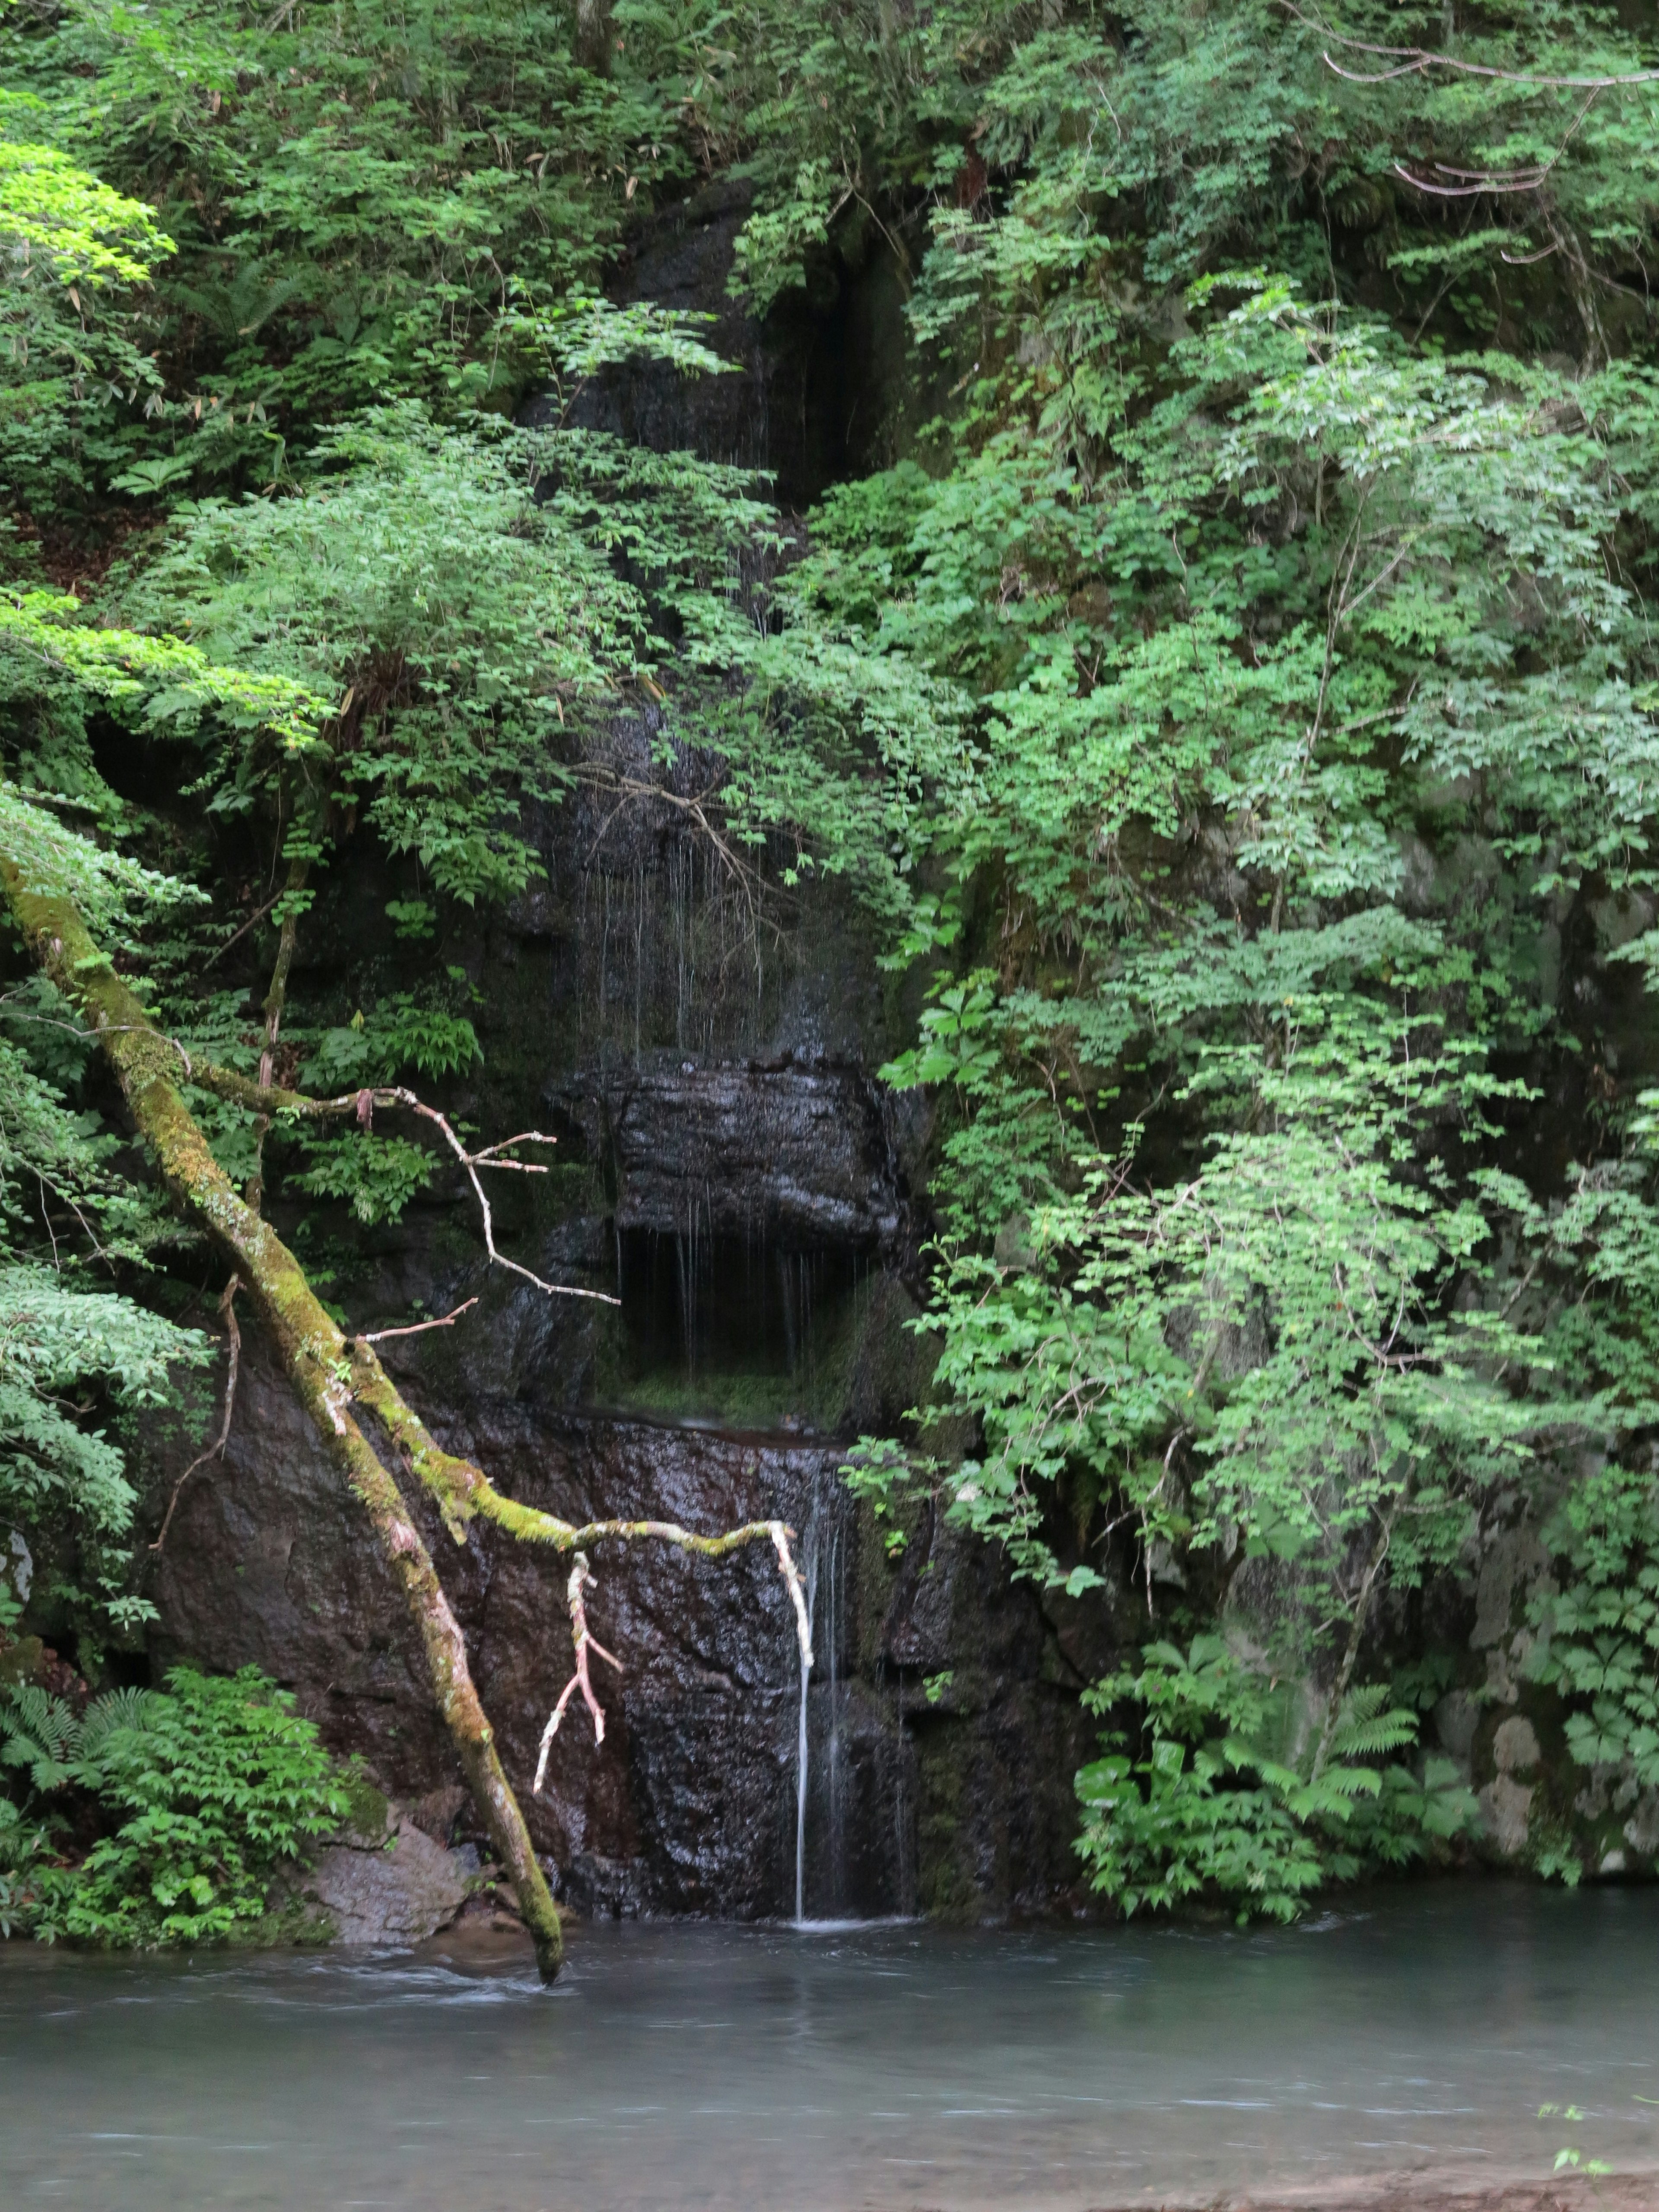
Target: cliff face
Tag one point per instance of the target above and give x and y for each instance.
(731, 1169)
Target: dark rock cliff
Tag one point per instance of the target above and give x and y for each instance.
(732, 1172)
(729, 1169)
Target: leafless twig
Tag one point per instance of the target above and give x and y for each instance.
(584, 1641)
(582, 1579)
(417, 1328)
(471, 1162)
(258, 915)
(264, 1099)
(1416, 61)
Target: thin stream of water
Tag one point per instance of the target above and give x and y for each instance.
(801, 1769)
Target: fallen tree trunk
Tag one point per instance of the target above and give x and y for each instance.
(336, 1375)
(314, 1354)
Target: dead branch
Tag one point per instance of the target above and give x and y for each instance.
(750, 883)
(314, 1354)
(258, 915)
(418, 1327)
(234, 1339)
(471, 1163)
(581, 1578)
(263, 1099)
(1416, 61)
(793, 1583)
(585, 1641)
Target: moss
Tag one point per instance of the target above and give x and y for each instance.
(368, 1810)
(291, 1925)
(945, 1887)
(20, 1660)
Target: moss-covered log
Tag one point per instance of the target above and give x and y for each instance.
(317, 1357)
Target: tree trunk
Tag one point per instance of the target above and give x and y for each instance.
(316, 1357)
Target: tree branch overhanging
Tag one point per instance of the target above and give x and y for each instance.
(340, 1380)
(267, 1101)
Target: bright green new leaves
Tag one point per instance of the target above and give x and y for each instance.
(56, 1338)
(166, 679)
(87, 234)
(450, 620)
(1261, 1356)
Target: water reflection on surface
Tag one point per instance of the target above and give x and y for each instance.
(897, 2066)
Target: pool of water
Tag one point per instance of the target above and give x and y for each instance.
(902, 2066)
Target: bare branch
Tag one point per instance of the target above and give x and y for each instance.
(234, 1337)
(258, 915)
(791, 1574)
(419, 1327)
(264, 1100)
(584, 1641)
(1414, 61)
(470, 1165)
(581, 1578)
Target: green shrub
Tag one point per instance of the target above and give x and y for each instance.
(22, 1842)
(1197, 1805)
(215, 1783)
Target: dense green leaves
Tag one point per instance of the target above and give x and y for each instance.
(1227, 1792)
(1234, 708)
(209, 1787)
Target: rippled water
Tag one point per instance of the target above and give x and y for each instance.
(905, 2066)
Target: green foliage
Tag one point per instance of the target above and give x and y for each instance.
(53, 1744)
(213, 1785)
(87, 234)
(1210, 1798)
(349, 192)
(400, 1033)
(376, 1177)
(23, 1844)
(78, 1360)
(1600, 1645)
(1281, 1316)
(1236, 704)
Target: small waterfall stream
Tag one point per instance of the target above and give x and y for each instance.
(821, 1570)
(801, 1771)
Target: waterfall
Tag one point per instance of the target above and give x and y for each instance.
(801, 1790)
(803, 1747)
(821, 1558)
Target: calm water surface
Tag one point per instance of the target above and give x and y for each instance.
(897, 2067)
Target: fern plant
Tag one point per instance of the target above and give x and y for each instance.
(212, 1784)
(1211, 1796)
(56, 1746)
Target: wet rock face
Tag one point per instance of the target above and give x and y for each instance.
(692, 1804)
(793, 1153)
(807, 390)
